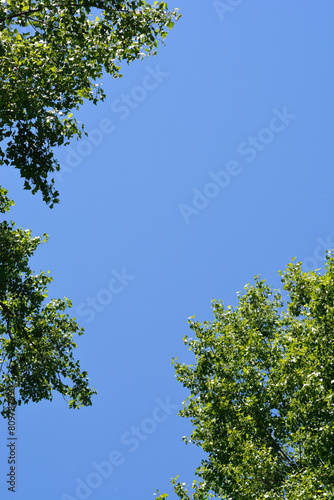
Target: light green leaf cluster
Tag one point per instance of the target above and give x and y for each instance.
(262, 392)
(5, 202)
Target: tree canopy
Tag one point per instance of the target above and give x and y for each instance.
(262, 392)
(52, 56)
(36, 337)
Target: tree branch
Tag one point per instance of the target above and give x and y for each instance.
(274, 442)
(23, 13)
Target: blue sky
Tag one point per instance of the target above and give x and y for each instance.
(204, 166)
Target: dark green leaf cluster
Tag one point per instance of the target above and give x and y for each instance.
(52, 53)
(262, 392)
(36, 336)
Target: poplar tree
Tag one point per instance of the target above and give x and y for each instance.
(53, 54)
(261, 392)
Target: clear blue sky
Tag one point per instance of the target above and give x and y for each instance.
(205, 165)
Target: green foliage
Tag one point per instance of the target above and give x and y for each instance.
(36, 337)
(262, 392)
(5, 202)
(52, 53)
